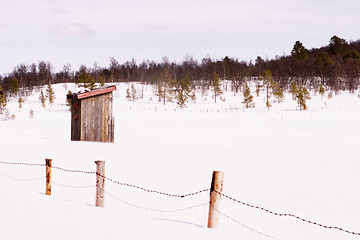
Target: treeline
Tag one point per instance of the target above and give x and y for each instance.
(335, 66)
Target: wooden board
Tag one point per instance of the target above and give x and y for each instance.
(75, 118)
(96, 92)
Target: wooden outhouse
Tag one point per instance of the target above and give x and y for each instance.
(92, 115)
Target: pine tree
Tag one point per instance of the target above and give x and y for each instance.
(268, 83)
(92, 84)
(101, 81)
(268, 104)
(128, 94)
(299, 52)
(20, 102)
(3, 101)
(278, 93)
(216, 85)
(42, 98)
(338, 46)
(50, 94)
(165, 86)
(293, 90)
(14, 86)
(248, 98)
(86, 81)
(183, 91)
(181, 99)
(303, 95)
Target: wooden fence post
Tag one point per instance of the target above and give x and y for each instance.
(215, 197)
(100, 183)
(48, 176)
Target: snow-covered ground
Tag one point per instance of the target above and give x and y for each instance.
(301, 162)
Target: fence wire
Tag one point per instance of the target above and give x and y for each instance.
(134, 186)
(287, 215)
(113, 181)
(24, 164)
(174, 196)
(241, 224)
(153, 209)
(155, 191)
(23, 180)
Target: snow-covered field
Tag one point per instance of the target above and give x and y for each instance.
(302, 162)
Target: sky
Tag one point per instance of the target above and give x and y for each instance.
(79, 32)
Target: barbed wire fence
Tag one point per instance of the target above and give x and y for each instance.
(287, 215)
(31, 180)
(203, 205)
(82, 193)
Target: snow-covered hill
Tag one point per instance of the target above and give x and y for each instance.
(288, 161)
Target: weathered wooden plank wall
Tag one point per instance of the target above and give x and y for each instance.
(96, 119)
(92, 117)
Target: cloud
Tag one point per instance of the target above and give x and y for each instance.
(72, 29)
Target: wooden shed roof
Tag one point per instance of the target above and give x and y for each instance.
(96, 92)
